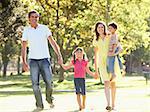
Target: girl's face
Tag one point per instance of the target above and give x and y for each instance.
(111, 29)
(79, 54)
(100, 29)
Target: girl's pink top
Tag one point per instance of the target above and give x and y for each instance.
(79, 68)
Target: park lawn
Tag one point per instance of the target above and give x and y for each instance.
(21, 84)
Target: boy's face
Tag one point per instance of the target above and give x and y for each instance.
(111, 29)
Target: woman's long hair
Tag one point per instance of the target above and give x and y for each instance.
(97, 34)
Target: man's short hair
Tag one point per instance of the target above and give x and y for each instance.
(31, 12)
(114, 25)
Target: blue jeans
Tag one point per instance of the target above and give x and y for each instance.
(119, 60)
(43, 67)
(120, 63)
(111, 62)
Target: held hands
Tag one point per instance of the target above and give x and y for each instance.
(60, 60)
(96, 76)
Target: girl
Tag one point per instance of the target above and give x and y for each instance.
(101, 44)
(80, 65)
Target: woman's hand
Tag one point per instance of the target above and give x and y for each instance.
(111, 54)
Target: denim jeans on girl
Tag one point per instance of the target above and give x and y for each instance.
(43, 67)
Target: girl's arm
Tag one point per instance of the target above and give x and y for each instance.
(66, 67)
(90, 72)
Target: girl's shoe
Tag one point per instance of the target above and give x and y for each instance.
(108, 108)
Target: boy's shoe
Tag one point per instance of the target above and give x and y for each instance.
(123, 73)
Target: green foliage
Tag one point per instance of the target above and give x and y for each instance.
(72, 23)
(9, 46)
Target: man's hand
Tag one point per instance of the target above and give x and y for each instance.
(25, 67)
(60, 60)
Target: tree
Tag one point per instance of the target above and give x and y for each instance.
(72, 22)
(13, 16)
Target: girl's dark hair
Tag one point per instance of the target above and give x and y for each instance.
(31, 12)
(97, 34)
(74, 57)
(113, 25)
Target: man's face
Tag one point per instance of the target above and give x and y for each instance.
(33, 19)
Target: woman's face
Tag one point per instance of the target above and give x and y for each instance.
(100, 29)
(79, 54)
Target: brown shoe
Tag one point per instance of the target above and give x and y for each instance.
(108, 108)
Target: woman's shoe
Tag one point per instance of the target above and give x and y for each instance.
(108, 108)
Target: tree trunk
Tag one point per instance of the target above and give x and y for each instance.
(5, 69)
(107, 17)
(0, 68)
(18, 65)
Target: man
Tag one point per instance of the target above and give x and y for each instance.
(37, 37)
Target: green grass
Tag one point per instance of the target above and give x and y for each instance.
(21, 84)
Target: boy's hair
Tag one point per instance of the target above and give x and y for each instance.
(77, 49)
(114, 25)
(31, 12)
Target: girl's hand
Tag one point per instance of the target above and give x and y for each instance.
(96, 76)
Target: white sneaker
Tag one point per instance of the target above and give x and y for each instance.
(38, 109)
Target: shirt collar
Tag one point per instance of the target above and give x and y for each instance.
(36, 27)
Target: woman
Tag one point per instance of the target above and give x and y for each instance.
(101, 44)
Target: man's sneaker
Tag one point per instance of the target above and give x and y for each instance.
(51, 105)
(38, 109)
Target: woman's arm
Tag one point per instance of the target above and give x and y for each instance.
(95, 60)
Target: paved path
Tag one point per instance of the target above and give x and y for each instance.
(128, 100)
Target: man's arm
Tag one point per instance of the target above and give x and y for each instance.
(66, 67)
(23, 54)
(55, 47)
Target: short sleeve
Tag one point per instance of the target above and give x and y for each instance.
(86, 62)
(72, 61)
(95, 42)
(25, 34)
(48, 32)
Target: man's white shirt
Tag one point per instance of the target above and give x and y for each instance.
(37, 40)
